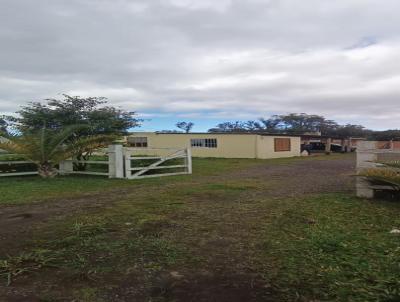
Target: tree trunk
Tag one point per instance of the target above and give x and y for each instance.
(46, 170)
(82, 156)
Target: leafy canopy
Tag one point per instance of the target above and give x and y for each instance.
(185, 126)
(74, 110)
(296, 123)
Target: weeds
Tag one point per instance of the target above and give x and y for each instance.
(15, 266)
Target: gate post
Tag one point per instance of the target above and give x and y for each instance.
(363, 188)
(189, 160)
(366, 159)
(66, 167)
(115, 161)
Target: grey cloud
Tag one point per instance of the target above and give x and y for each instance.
(229, 58)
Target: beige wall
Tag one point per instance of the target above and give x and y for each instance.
(229, 145)
(266, 147)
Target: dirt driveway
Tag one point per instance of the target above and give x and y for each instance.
(211, 225)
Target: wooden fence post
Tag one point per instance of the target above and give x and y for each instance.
(189, 160)
(115, 161)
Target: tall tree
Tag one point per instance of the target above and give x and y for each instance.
(349, 130)
(302, 122)
(386, 135)
(57, 114)
(271, 124)
(237, 126)
(73, 110)
(185, 126)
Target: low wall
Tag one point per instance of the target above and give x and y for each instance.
(378, 145)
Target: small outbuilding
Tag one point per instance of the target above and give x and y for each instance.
(224, 145)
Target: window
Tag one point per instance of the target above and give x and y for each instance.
(137, 142)
(282, 144)
(203, 142)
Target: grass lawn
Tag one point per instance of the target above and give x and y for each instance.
(31, 189)
(235, 230)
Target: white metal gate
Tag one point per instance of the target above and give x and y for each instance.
(142, 163)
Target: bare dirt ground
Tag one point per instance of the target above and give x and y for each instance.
(213, 226)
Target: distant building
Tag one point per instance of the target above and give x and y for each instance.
(320, 142)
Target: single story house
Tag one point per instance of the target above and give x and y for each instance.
(226, 145)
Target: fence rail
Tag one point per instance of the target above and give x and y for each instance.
(160, 164)
(130, 163)
(67, 167)
(18, 174)
(13, 165)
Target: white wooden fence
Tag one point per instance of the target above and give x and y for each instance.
(13, 166)
(368, 158)
(130, 163)
(67, 167)
(157, 162)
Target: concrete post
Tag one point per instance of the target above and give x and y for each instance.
(363, 188)
(66, 167)
(365, 160)
(349, 145)
(116, 161)
(343, 145)
(328, 146)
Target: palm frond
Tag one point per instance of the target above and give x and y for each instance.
(387, 176)
(91, 143)
(57, 140)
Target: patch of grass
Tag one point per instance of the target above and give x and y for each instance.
(22, 190)
(125, 237)
(26, 262)
(87, 294)
(90, 250)
(336, 247)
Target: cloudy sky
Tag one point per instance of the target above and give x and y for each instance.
(207, 60)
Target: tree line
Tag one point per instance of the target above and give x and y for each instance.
(301, 123)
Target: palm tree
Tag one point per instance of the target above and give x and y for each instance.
(46, 148)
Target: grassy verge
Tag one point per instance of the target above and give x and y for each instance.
(336, 247)
(22, 190)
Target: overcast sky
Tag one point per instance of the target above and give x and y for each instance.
(207, 60)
